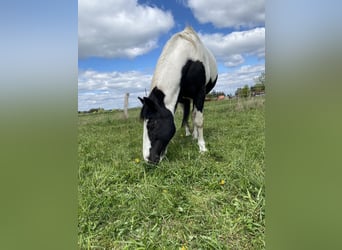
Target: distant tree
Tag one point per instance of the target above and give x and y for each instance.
(259, 87)
(243, 92)
(220, 93)
(238, 92)
(211, 94)
(246, 91)
(96, 110)
(214, 94)
(261, 79)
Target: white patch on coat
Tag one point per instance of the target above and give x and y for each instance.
(146, 142)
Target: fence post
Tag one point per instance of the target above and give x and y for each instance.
(126, 105)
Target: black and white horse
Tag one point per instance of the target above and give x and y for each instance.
(186, 70)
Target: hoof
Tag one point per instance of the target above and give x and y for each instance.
(202, 151)
(202, 147)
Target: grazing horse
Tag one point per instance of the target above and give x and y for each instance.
(186, 70)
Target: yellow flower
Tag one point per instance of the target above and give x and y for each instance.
(137, 160)
(183, 248)
(222, 182)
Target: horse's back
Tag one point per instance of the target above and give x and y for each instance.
(182, 47)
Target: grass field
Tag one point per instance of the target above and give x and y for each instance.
(190, 200)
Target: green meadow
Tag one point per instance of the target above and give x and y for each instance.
(190, 200)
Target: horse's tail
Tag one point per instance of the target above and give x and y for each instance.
(210, 85)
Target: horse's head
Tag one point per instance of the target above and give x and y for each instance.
(159, 126)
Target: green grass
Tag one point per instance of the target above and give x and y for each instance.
(182, 202)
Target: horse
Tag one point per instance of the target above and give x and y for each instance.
(186, 71)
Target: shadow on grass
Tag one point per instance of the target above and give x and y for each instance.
(149, 168)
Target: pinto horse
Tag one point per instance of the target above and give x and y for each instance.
(186, 71)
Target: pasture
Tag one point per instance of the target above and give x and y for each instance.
(214, 200)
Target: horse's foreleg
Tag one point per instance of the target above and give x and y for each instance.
(187, 130)
(195, 131)
(185, 103)
(198, 129)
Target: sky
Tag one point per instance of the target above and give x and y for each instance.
(119, 43)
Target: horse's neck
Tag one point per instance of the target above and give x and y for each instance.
(171, 93)
(171, 102)
(170, 87)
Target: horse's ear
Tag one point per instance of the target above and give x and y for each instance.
(142, 100)
(150, 104)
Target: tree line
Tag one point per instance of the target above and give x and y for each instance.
(257, 89)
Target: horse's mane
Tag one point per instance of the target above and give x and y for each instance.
(189, 34)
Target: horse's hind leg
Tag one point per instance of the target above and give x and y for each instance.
(187, 129)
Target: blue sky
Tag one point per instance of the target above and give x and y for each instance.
(120, 42)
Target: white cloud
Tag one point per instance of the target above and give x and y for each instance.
(229, 13)
(119, 28)
(107, 89)
(234, 60)
(231, 81)
(232, 48)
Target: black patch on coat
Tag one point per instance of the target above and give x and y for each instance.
(193, 86)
